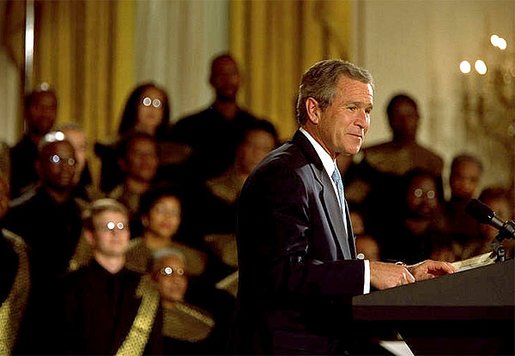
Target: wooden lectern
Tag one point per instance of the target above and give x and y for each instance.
(467, 313)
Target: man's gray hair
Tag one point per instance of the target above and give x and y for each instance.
(320, 80)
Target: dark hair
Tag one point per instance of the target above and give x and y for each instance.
(151, 196)
(320, 80)
(464, 157)
(397, 99)
(220, 57)
(130, 112)
(258, 125)
(127, 140)
(410, 176)
(35, 94)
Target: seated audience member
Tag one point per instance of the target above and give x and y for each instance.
(40, 110)
(14, 278)
(211, 133)
(105, 308)
(147, 109)
(377, 178)
(85, 189)
(49, 220)
(419, 229)
(403, 153)
(187, 329)
(138, 160)
(464, 179)
(160, 214)
(498, 199)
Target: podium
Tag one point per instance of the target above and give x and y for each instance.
(466, 313)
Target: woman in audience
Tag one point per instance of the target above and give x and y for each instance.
(161, 214)
(147, 109)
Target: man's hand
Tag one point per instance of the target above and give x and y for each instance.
(430, 269)
(388, 275)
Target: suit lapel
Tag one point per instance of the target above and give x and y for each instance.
(328, 198)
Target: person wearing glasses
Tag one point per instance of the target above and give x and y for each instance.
(103, 307)
(147, 109)
(48, 219)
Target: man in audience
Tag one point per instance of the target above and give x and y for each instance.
(187, 328)
(211, 133)
(48, 218)
(40, 115)
(49, 221)
(464, 179)
(138, 160)
(106, 308)
(380, 171)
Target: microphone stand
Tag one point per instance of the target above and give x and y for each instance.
(507, 231)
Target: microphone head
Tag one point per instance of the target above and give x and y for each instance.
(479, 211)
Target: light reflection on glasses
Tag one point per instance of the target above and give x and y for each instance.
(112, 227)
(168, 271)
(430, 194)
(147, 101)
(58, 160)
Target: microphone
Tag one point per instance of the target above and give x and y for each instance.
(484, 215)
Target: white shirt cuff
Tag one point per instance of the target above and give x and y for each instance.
(366, 287)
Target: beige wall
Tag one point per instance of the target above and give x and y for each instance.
(416, 46)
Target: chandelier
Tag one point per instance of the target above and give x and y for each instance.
(488, 86)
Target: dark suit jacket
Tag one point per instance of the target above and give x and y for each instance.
(295, 280)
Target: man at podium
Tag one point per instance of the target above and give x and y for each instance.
(298, 268)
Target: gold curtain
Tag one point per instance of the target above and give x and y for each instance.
(275, 41)
(83, 49)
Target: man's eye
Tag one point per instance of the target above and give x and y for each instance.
(352, 108)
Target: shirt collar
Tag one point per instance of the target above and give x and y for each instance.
(327, 161)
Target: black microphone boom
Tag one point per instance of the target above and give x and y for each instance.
(484, 215)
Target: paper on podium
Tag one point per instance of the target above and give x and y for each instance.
(476, 261)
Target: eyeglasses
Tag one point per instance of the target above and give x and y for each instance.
(58, 160)
(168, 271)
(430, 194)
(147, 101)
(112, 227)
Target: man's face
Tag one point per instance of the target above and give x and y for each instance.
(172, 279)
(141, 160)
(111, 235)
(257, 144)
(42, 113)
(404, 121)
(342, 126)
(422, 199)
(56, 165)
(464, 180)
(225, 79)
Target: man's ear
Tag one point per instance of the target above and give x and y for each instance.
(88, 235)
(313, 110)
